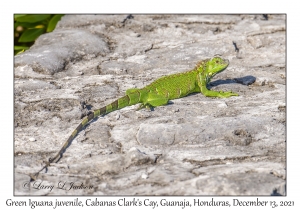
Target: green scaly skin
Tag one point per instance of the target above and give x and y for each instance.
(158, 93)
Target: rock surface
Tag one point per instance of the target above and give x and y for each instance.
(193, 146)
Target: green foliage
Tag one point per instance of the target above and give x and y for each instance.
(52, 23)
(31, 34)
(31, 18)
(27, 28)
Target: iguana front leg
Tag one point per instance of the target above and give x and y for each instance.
(201, 81)
(220, 94)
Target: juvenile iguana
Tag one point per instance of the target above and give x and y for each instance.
(159, 93)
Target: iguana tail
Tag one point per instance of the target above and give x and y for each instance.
(127, 100)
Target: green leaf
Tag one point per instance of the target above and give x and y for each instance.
(21, 48)
(32, 18)
(53, 22)
(26, 25)
(18, 52)
(31, 34)
(17, 16)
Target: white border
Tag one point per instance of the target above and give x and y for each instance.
(153, 6)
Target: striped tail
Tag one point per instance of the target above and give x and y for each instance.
(127, 100)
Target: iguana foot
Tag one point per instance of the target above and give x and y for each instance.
(147, 106)
(227, 94)
(220, 94)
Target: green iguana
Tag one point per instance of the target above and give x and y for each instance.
(158, 93)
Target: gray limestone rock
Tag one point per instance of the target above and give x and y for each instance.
(57, 51)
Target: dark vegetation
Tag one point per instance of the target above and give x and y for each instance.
(28, 27)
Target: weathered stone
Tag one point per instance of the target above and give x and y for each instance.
(54, 52)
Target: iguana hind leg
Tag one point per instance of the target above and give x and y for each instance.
(132, 90)
(154, 100)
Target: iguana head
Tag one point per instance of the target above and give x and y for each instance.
(214, 66)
